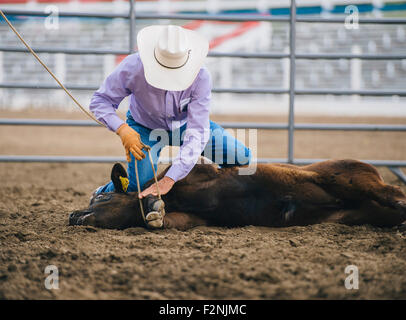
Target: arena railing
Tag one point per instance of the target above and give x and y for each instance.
(291, 126)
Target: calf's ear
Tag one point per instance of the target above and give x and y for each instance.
(120, 178)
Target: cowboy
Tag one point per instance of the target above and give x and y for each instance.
(170, 93)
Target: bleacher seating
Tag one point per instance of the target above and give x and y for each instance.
(245, 73)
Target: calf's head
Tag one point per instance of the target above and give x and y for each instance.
(113, 210)
(110, 210)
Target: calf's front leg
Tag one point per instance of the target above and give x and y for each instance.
(156, 217)
(182, 221)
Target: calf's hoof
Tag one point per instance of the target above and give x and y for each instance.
(159, 206)
(155, 220)
(155, 216)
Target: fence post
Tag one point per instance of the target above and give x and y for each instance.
(292, 71)
(132, 27)
(356, 72)
(1, 76)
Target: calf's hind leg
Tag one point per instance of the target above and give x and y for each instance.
(370, 212)
(385, 204)
(364, 182)
(387, 195)
(182, 221)
(355, 180)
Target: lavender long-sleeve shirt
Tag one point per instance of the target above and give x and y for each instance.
(156, 108)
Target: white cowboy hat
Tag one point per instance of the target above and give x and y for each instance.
(172, 56)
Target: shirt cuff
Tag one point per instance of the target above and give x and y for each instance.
(176, 173)
(113, 121)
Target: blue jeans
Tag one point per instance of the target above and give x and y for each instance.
(222, 148)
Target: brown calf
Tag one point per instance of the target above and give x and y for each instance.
(277, 195)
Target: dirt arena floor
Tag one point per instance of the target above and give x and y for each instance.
(202, 263)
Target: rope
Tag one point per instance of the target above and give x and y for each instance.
(86, 112)
(155, 178)
(139, 188)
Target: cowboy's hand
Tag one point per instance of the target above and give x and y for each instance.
(131, 141)
(164, 185)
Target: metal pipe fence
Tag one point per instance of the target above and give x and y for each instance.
(252, 55)
(227, 125)
(208, 17)
(291, 126)
(100, 159)
(378, 93)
